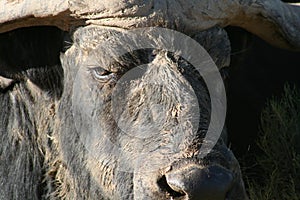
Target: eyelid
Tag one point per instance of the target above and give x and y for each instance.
(101, 74)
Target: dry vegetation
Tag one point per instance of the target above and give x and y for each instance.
(277, 168)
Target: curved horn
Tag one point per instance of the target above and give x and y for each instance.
(274, 21)
(16, 14)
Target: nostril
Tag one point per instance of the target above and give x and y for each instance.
(211, 183)
(163, 184)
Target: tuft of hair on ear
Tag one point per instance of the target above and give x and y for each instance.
(6, 83)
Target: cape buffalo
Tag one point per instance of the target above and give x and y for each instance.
(100, 124)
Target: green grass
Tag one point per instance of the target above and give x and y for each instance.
(278, 165)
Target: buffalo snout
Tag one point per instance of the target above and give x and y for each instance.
(198, 183)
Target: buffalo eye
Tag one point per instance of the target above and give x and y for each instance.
(101, 74)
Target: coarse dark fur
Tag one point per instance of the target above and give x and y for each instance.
(50, 111)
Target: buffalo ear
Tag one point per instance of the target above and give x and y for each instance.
(48, 79)
(225, 73)
(32, 54)
(216, 42)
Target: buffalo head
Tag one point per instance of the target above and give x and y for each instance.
(123, 122)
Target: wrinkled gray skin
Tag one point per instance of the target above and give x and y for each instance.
(47, 150)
